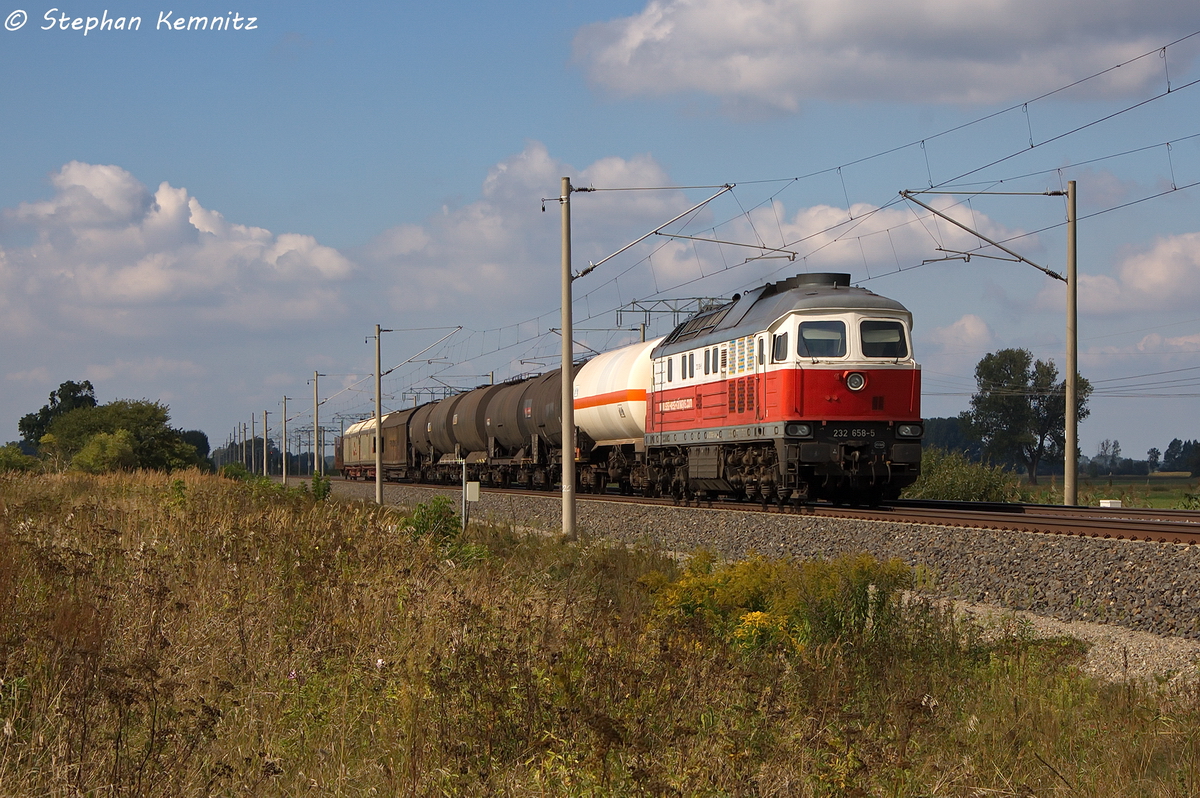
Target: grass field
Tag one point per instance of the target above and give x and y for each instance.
(1161, 491)
(194, 636)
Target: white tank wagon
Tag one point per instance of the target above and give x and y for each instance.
(610, 394)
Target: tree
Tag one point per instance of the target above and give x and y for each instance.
(69, 396)
(1182, 456)
(1019, 410)
(949, 435)
(197, 439)
(156, 445)
(1153, 458)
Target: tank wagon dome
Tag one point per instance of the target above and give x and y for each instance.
(758, 309)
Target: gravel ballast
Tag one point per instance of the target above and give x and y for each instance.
(1060, 584)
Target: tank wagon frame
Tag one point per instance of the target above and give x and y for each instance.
(798, 390)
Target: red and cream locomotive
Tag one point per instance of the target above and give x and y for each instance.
(798, 390)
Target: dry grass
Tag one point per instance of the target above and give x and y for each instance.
(198, 636)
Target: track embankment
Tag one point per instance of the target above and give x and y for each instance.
(1152, 587)
(1134, 602)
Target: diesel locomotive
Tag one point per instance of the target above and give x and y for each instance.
(798, 390)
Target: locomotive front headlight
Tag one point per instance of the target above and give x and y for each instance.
(909, 431)
(856, 381)
(799, 430)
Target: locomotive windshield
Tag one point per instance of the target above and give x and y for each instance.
(883, 339)
(822, 339)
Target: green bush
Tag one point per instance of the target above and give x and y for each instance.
(106, 452)
(321, 487)
(761, 603)
(12, 459)
(235, 471)
(949, 476)
(436, 520)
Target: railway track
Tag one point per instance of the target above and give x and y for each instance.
(1134, 524)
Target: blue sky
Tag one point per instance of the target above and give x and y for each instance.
(207, 216)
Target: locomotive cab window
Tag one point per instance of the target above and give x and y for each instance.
(821, 339)
(883, 339)
(779, 350)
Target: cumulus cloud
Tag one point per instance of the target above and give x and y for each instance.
(36, 375)
(147, 369)
(865, 239)
(970, 334)
(1154, 344)
(501, 250)
(109, 251)
(779, 53)
(1164, 277)
(499, 255)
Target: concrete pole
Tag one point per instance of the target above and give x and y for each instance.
(1071, 457)
(283, 440)
(316, 425)
(568, 372)
(378, 440)
(266, 450)
(253, 454)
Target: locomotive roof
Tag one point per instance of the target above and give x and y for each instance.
(757, 310)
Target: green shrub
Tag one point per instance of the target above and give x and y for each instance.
(105, 452)
(762, 603)
(436, 520)
(949, 476)
(12, 459)
(235, 471)
(321, 487)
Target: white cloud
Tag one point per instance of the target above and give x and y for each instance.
(144, 370)
(865, 239)
(36, 375)
(970, 335)
(109, 253)
(1164, 277)
(1156, 344)
(501, 251)
(779, 53)
(499, 255)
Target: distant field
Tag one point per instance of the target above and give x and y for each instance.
(1164, 490)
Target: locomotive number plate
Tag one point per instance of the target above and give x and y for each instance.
(853, 432)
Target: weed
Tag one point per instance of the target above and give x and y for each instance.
(262, 642)
(950, 476)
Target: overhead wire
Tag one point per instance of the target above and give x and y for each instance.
(855, 222)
